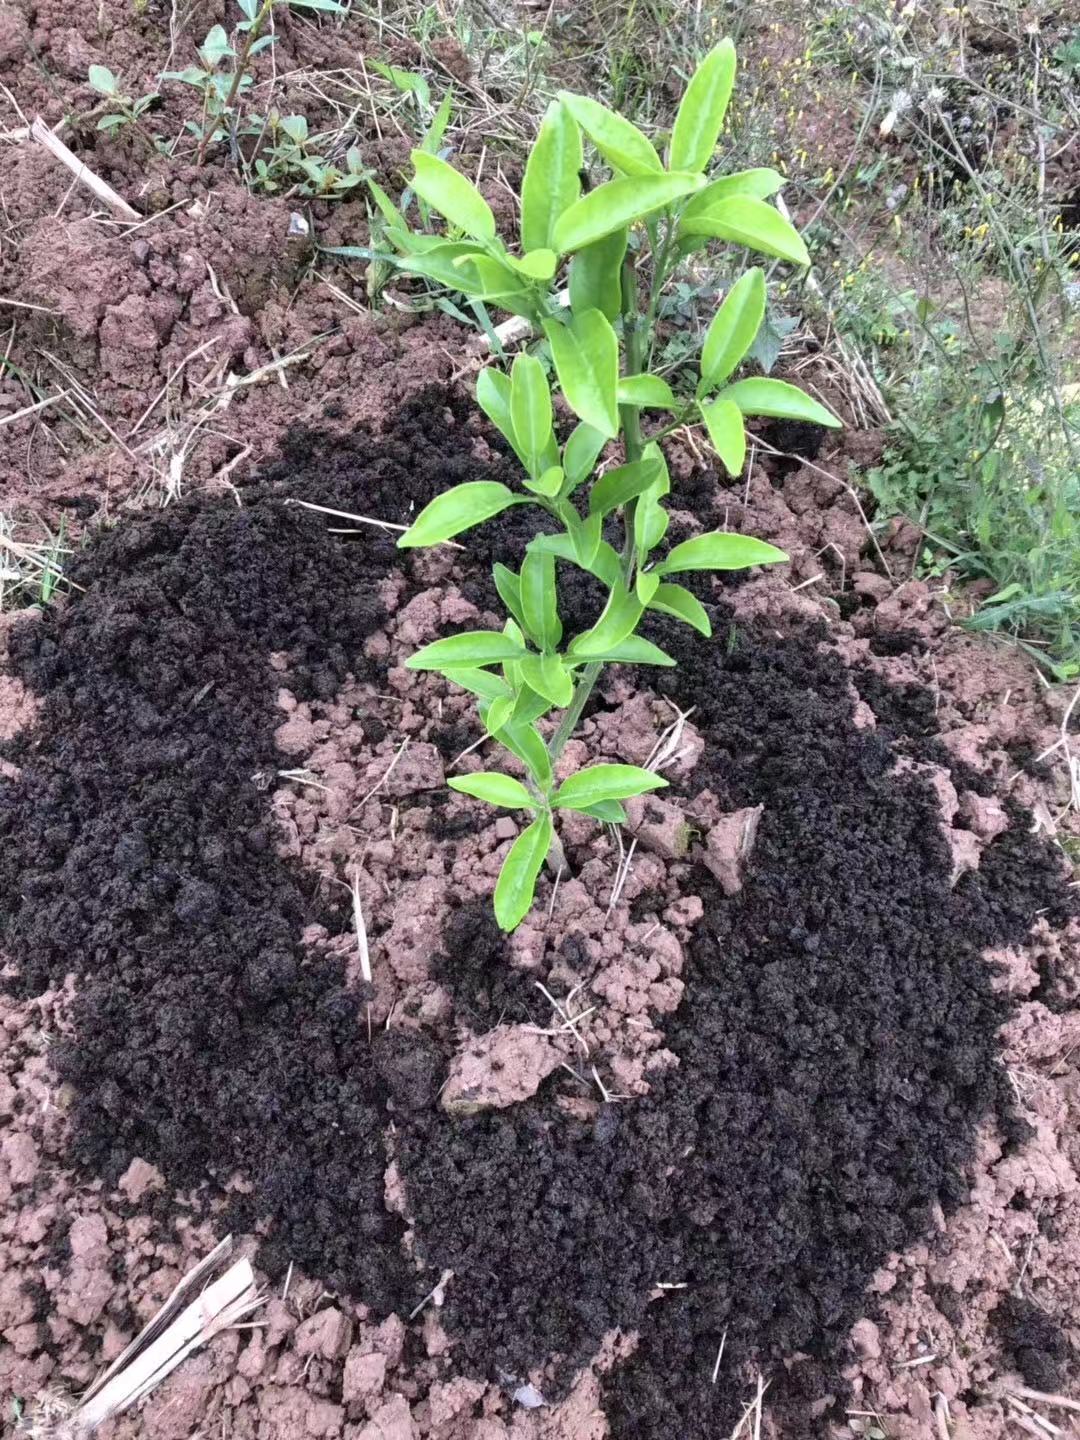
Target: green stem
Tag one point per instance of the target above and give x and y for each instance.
(238, 74)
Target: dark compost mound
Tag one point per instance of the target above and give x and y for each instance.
(836, 1041)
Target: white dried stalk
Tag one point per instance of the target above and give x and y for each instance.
(169, 1338)
(40, 132)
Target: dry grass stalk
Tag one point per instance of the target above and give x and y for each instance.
(40, 132)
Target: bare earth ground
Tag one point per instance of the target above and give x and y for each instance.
(168, 330)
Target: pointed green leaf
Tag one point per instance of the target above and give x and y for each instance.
(516, 884)
(494, 787)
(538, 601)
(458, 509)
(530, 705)
(548, 676)
(493, 392)
(497, 713)
(536, 265)
(720, 551)
(480, 682)
(749, 222)
(621, 485)
(489, 279)
(621, 144)
(634, 650)
(617, 620)
(733, 327)
(452, 195)
(102, 80)
(581, 451)
(683, 605)
(605, 782)
(646, 392)
(525, 742)
(583, 546)
(646, 585)
(509, 587)
(596, 275)
(445, 265)
(777, 398)
(464, 651)
(701, 113)
(586, 356)
(608, 812)
(552, 180)
(724, 422)
(549, 484)
(755, 184)
(530, 407)
(650, 518)
(617, 204)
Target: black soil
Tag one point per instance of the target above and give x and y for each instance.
(836, 1042)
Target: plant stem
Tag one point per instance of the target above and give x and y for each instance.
(633, 445)
(238, 74)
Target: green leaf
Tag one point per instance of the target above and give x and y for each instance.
(407, 81)
(779, 399)
(650, 518)
(617, 620)
(497, 713)
(609, 812)
(509, 587)
(329, 7)
(215, 47)
(489, 279)
(621, 144)
(525, 742)
(756, 184)
(464, 651)
(458, 509)
(619, 486)
(295, 127)
(605, 782)
(439, 122)
(586, 356)
(516, 884)
(441, 263)
(549, 483)
(733, 327)
(752, 223)
(552, 180)
(538, 601)
(102, 80)
(596, 275)
(480, 682)
(584, 547)
(635, 650)
(536, 265)
(111, 122)
(493, 391)
(724, 422)
(494, 787)
(674, 600)
(530, 407)
(646, 392)
(581, 452)
(530, 704)
(585, 540)
(617, 204)
(701, 113)
(548, 676)
(646, 585)
(720, 551)
(452, 195)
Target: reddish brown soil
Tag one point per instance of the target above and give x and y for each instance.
(816, 1138)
